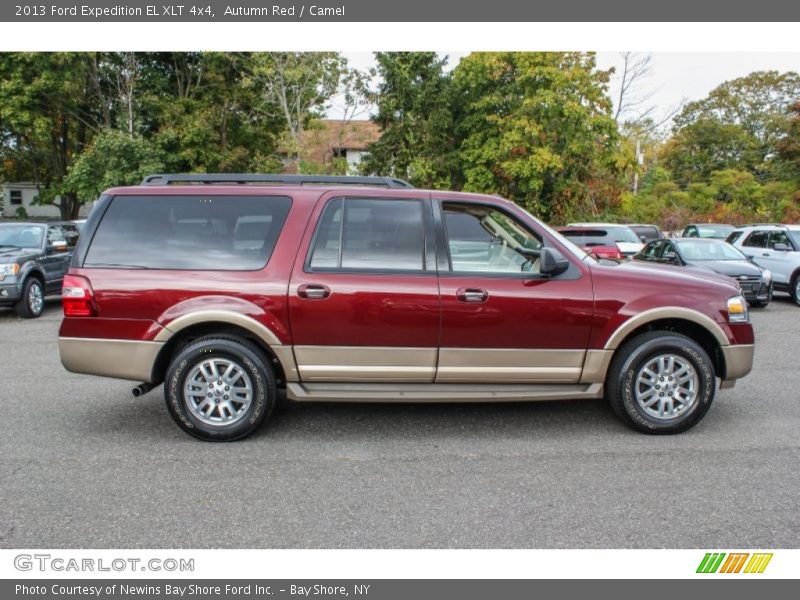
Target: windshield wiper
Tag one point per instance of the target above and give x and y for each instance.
(9, 246)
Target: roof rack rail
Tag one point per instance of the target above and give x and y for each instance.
(272, 179)
(763, 225)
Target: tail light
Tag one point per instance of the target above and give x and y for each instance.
(77, 297)
(610, 252)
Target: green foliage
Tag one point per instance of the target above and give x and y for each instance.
(74, 122)
(415, 112)
(113, 159)
(738, 126)
(21, 213)
(733, 157)
(789, 145)
(537, 128)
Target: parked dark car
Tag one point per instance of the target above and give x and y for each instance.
(715, 231)
(34, 257)
(716, 256)
(366, 289)
(597, 242)
(647, 233)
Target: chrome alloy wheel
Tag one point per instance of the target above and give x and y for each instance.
(797, 290)
(218, 391)
(666, 387)
(35, 298)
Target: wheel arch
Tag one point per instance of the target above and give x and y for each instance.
(696, 326)
(191, 327)
(37, 274)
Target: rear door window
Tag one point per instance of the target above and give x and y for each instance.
(370, 234)
(779, 237)
(226, 233)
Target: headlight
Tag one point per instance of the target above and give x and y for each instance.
(8, 270)
(737, 310)
(766, 275)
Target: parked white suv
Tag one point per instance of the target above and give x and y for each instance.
(773, 247)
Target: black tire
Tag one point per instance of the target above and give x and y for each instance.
(763, 303)
(26, 308)
(633, 356)
(255, 369)
(794, 290)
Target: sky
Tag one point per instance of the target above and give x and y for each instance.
(674, 77)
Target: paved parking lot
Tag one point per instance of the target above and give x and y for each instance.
(84, 464)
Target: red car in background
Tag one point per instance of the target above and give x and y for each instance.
(596, 241)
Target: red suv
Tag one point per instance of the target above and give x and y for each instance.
(228, 287)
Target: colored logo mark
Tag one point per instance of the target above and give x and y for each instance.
(734, 562)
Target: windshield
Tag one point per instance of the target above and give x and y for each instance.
(588, 237)
(17, 235)
(699, 251)
(564, 241)
(623, 234)
(714, 231)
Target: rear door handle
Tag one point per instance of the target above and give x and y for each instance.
(313, 291)
(472, 295)
(765, 254)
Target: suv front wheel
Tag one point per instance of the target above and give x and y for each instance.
(31, 304)
(795, 289)
(220, 388)
(661, 382)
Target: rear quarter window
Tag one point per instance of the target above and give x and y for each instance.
(226, 233)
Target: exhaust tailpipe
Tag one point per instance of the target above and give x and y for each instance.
(142, 389)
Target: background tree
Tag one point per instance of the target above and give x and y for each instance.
(538, 128)
(414, 101)
(738, 125)
(789, 145)
(299, 84)
(112, 159)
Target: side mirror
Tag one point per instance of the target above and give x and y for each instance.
(57, 246)
(552, 262)
(780, 247)
(643, 238)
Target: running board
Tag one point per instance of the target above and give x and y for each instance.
(439, 392)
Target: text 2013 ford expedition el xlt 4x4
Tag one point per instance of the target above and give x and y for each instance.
(228, 287)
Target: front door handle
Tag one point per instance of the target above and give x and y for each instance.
(472, 295)
(313, 291)
(765, 254)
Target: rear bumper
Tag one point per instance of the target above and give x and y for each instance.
(122, 359)
(738, 362)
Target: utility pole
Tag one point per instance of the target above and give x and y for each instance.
(640, 162)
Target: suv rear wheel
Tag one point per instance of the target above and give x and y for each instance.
(31, 304)
(661, 382)
(220, 388)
